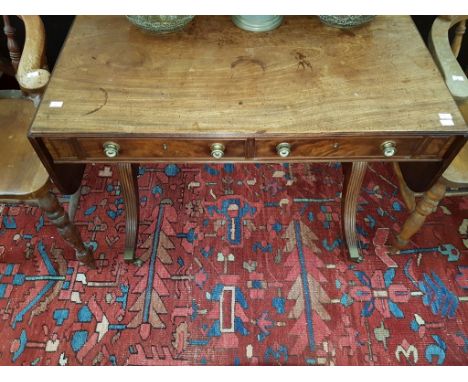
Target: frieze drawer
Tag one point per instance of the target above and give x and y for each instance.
(428, 148)
(150, 149)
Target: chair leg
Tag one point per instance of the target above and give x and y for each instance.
(424, 207)
(73, 204)
(406, 194)
(49, 204)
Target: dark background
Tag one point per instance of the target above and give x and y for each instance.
(57, 28)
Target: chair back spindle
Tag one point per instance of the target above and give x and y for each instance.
(458, 38)
(13, 47)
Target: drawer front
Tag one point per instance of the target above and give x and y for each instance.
(258, 149)
(94, 149)
(354, 147)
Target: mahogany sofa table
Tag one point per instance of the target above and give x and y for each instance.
(216, 93)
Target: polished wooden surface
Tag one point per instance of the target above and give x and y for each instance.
(215, 79)
(365, 94)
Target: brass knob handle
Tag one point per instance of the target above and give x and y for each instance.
(111, 149)
(217, 150)
(283, 149)
(388, 148)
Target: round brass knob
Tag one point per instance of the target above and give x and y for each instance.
(388, 148)
(217, 150)
(111, 149)
(283, 149)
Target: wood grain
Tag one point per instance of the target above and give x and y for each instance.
(213, 78)
(22, 173)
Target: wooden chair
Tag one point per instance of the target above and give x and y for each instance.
(23, 178)
(456, 175)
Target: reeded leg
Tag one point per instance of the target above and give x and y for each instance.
(54, 211)
(425, 206)
(128, 182)
(353, 177)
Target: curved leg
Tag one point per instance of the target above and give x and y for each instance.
(353, 177)
(424, 207)
(128, 181)
(54, 211)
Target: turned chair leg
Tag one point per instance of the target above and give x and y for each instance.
(427, 205)
(73, 204)
(54, 211)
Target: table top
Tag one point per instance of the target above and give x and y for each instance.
(214, 79)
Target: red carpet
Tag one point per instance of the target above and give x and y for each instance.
(243, 265)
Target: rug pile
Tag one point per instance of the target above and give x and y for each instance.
(240, 265)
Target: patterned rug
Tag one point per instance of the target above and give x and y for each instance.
(243, 265)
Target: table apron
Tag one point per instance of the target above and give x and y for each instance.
(196, 150)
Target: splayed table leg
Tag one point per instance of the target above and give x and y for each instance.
(353, 177)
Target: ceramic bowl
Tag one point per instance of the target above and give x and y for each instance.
(160, 23)
(345, 21)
